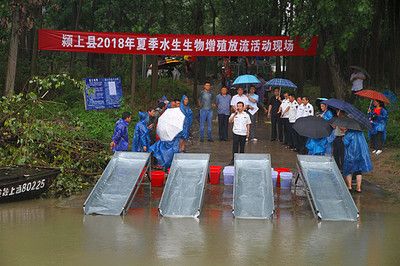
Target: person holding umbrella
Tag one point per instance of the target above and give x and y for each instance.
(357, 78)
(273, 109)
(379, 117)
(356, 154)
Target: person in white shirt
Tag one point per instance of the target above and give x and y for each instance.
(305, 109)
(357, 79)
(291, 110)
(285, 117)
(241, 128)
(308, 109)
(253, 108)
(239, 97)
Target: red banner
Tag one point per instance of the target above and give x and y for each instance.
(171, 44)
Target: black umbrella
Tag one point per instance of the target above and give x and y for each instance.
(312, 127)
(346, 122)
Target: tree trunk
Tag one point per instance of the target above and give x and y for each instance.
(12, 55)
(339, 84)
(133, 80)
(195, 80)
(154, 73)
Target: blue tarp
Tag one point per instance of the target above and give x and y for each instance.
(316, 146)
(164, 151)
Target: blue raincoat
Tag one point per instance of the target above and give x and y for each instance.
(164, 151)
(120, 136)
(378, 123)
(141, 138)
(316, 146)
(327, 115)
(356, 153)
(329, 143)
(187, 124)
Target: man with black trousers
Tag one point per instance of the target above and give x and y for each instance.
(285, 118)
(273, 113)
(241, 128)
(223, 101)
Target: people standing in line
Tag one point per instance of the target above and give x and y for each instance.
(378, 117)
(141, 137)
(299, 100)
(283, 110)
(356, 157)
(241, 128)
(120, 138)
(187, 124)
(292, 116)
(357, 79)
(205, 103)
(239, 97)
(223, 101)
(253, 108)
(273, 109)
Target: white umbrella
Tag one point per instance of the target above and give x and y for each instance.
(170, 124)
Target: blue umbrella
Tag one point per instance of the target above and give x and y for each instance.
(284, 83)
(246, 79)
(351, 111)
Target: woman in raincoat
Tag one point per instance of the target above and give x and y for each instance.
(377, 134)
(141, 138)
(326, 113)
(187, 124)
(356, 157)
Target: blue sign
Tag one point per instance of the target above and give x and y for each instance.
(102, 93)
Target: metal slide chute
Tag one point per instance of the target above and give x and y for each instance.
(184, 189)
(326, 190)
(114, 191)
(253, 196)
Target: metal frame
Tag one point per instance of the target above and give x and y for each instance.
(129, 200)
(167, 187)
(310, 194)
(267, 158)
(307, 191)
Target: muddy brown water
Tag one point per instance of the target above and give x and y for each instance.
(55, 232)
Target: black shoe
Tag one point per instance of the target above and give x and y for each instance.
(273, 139)
(210, 140)
(201, 140)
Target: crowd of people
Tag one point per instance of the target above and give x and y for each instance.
(348, 147)
(145, 138)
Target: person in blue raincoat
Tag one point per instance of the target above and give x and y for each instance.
(164, 151)
(356, 157)
(187, 124)
(120, 138)
(141, 138)
(378, 117)
(316, 146)
(326, 113)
